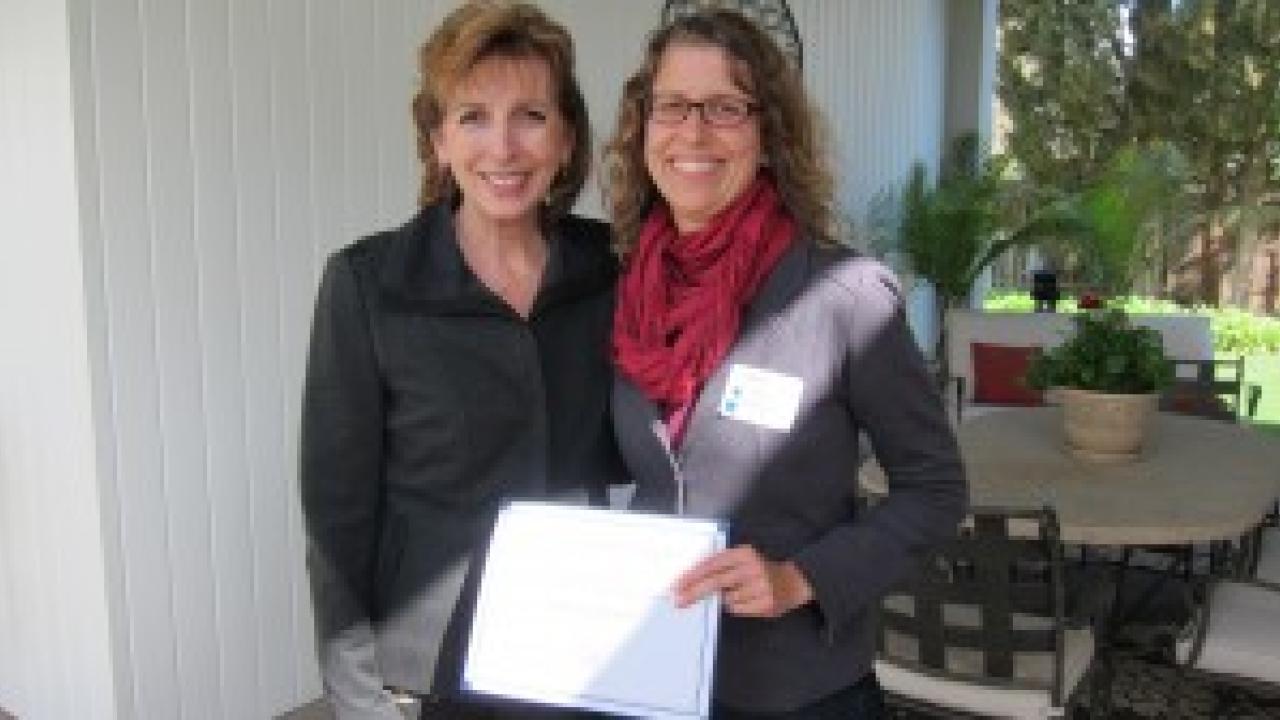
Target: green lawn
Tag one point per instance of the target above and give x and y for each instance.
(1264, 370)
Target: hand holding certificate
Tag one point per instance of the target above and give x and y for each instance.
(576, 609)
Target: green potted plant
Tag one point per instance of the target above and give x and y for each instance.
(950, 232)
(1125, 209)
(1107, 377)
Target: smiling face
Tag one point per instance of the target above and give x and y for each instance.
(699, 169)
(503, 138)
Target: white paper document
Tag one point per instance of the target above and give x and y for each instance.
(576, 609)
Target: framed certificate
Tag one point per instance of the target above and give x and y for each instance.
(576, 610)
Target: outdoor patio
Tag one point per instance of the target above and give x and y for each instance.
(176, 173)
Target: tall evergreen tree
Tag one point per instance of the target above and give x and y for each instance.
(1082, 79)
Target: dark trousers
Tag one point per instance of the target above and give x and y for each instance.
(440, 709)
(862, 700)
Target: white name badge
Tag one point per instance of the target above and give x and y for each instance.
(761, 397)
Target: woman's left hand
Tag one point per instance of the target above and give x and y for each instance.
(749, 585)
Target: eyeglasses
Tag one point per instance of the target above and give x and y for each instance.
(721, 111)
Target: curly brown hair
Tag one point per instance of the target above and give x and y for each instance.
(478, 30)
(790, 129)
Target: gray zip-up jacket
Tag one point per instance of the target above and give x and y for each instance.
(835, 321)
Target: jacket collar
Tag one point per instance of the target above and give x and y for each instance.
(780, 287)
(426, 271)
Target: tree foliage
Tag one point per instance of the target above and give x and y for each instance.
(1061, 83)
(1081, 80)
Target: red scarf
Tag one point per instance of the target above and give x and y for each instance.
(680, 297)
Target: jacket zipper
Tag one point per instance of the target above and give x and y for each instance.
(681, 493)
(828, 632)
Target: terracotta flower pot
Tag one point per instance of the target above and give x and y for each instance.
(1103, 426)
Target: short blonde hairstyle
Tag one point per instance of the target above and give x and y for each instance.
(790, 129)
(476, 31)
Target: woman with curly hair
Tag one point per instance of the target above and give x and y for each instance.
(750, 354)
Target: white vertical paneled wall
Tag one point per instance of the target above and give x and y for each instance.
(877, 71)
(54, 646)
(157, 289)
(225, 147)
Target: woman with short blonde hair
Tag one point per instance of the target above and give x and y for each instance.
(456, 362)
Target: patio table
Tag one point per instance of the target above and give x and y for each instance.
(1197, 481)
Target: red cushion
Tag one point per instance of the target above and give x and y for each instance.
(998, 372)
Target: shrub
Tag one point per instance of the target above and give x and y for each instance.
(1235, 331)
(1238, 332)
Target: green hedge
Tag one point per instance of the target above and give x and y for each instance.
(1234, 331)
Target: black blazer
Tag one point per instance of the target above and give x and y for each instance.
(428, 402)
(835, 321)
